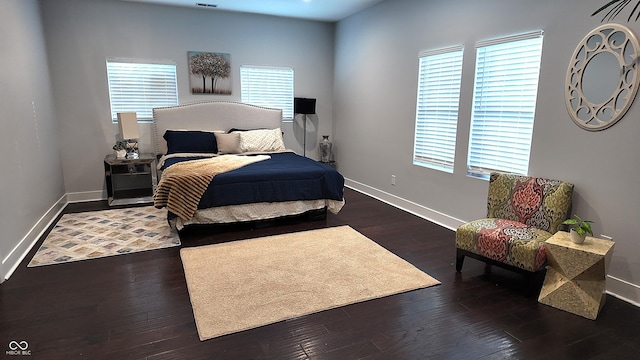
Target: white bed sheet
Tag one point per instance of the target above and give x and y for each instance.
(257, 211)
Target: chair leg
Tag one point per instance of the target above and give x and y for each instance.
(487, 268)
(534, 282)
(459, 261)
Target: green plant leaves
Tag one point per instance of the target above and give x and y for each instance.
(581, 226)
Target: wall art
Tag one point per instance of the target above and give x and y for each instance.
(209, 73)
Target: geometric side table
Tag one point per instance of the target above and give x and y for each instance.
(576, 274)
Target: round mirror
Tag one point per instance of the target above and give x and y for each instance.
(602, 79)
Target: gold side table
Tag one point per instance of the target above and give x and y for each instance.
(576, 275)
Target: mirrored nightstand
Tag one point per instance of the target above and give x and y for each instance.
(130, 181)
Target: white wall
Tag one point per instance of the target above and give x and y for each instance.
(375, 97)
(81, 34)
(31, 177)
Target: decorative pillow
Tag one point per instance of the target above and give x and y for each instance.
(261, 140)
(228, 143)
(187, 141)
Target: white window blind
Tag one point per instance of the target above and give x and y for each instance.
(504, 104)
(269, 87)
(440, 72)
(140, 86)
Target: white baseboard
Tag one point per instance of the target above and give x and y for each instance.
(619, 288)
(86, 196)
(424, 212)
(623, 290)
(18, 253)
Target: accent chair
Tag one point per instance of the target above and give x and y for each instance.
(522, 213)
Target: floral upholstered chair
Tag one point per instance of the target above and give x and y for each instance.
(522, 213)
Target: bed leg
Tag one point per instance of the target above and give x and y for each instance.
(317, 215)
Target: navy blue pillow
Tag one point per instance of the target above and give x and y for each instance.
(190, 142)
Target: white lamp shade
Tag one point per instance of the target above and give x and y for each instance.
(128, 122)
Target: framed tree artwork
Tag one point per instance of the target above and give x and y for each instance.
(209, 72)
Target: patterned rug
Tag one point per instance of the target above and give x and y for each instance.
(97, 234)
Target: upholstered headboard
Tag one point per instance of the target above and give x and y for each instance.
(212, 116)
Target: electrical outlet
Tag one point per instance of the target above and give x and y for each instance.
(393, 179)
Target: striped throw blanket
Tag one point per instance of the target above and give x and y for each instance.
(183, 184)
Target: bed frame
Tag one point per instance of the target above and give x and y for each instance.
(211, 116)
(222, 116)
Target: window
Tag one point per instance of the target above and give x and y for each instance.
(439, 77)
(269, 87)
(140, 86)
(504, 104)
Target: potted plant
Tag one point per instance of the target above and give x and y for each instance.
(121, 149)
(579, 228)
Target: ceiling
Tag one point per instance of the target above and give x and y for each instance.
(321, 10)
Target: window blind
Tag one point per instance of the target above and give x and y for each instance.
(440, 72)
(504, 104)
(140, 86)
(269, 87)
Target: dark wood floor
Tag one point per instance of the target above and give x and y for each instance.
(136, 306)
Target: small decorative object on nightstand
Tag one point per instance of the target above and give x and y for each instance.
(120, 149)
(576, 275)
(325, 149)
(130, 181)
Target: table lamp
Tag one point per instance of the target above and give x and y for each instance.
(128, 123)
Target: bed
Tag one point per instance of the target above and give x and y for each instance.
(225, 162)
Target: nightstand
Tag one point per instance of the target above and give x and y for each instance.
(130, 181)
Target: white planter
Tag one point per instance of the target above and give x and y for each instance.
(577, 238)
(121, 154)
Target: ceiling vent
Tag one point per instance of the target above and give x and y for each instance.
(207, 5)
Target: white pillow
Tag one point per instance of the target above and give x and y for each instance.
(261, 140)
(228, 143)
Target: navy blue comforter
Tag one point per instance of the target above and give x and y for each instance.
(284, 177)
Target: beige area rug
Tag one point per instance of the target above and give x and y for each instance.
(96, 234)
(245, 284)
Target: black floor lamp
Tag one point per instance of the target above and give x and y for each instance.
(304, 106)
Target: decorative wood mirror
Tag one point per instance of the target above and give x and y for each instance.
(602, 79)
